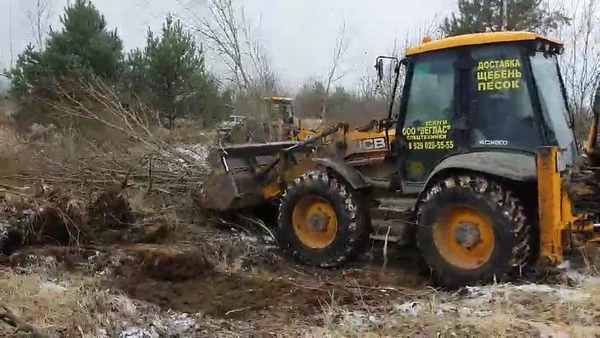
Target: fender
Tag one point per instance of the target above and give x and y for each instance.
(514, 166)
(350, 174)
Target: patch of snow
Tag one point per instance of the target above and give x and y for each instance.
(576, 276)
(251, 238)
(137, 332)
(143, 320)
(479, 295)
(194, 152)
(52, 287)
(581, 279)
(198, 152)
(178, 323)
(412, 308)
(416, 308)
(173, 325)
(357, 320)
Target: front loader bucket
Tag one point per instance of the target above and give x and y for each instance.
(234, 182)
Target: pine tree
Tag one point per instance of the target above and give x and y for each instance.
(170, 74)
(84, 42)
(475, 16)
(82, 47)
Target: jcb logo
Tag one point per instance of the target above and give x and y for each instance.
(372, 144)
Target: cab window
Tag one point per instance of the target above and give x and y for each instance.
(429, 113)
(432, 90)
(502, 114)
(552, 100)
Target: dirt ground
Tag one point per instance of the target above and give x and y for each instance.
(239, 286)
(253, 285)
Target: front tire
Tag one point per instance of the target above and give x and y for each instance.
(471, 230)
(322, 221)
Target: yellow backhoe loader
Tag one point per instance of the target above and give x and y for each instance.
(483, 158)
(284, 122)
(284, 125)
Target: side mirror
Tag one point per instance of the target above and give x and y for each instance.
(379, 68)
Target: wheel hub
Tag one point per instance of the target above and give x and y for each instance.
(467, 235)
(318, 222)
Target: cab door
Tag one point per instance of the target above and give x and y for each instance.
(427, 116)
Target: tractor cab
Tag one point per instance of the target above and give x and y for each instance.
(281, 117)
(283, 120)
(280, 109)
(486, 101)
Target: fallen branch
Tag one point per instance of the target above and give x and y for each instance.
(10, 318)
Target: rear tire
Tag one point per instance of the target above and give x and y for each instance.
(457, 254)
(345, 222)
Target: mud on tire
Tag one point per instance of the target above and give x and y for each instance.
(507, 222)
(353, 222)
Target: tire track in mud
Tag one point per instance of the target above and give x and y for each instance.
(185, 282)
(187, 278)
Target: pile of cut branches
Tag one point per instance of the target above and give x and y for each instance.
(77, 183)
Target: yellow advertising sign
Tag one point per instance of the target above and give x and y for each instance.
(433, 135)
(499, 75)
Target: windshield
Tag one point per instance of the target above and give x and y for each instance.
(502, 113)
(552, 100)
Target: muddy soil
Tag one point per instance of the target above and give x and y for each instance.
(183, 281)
(187, 278)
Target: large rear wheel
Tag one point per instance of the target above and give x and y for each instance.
(321, 221)
(472, 230)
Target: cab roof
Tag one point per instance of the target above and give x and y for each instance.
(278, 99)
(476, 39)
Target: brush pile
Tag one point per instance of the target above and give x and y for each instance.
(106, 174)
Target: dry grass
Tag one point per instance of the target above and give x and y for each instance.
(192, 133)
(492, 311)
(71, 307)
(10, 142)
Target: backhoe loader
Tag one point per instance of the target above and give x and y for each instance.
(280, 125)
(283, 125)
(483, 159)
(290, 127)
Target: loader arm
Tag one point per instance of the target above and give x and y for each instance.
(287, 165)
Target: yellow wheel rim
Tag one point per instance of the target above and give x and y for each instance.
(465, 237)
(315, 222)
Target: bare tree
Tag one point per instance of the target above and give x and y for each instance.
(581, 61)
(336, 73)
(39, 20)
(231, 37)
(224, 25)
(3, 66)
(373, 89)
(10, 40)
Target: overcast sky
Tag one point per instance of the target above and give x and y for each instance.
(299, 34)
